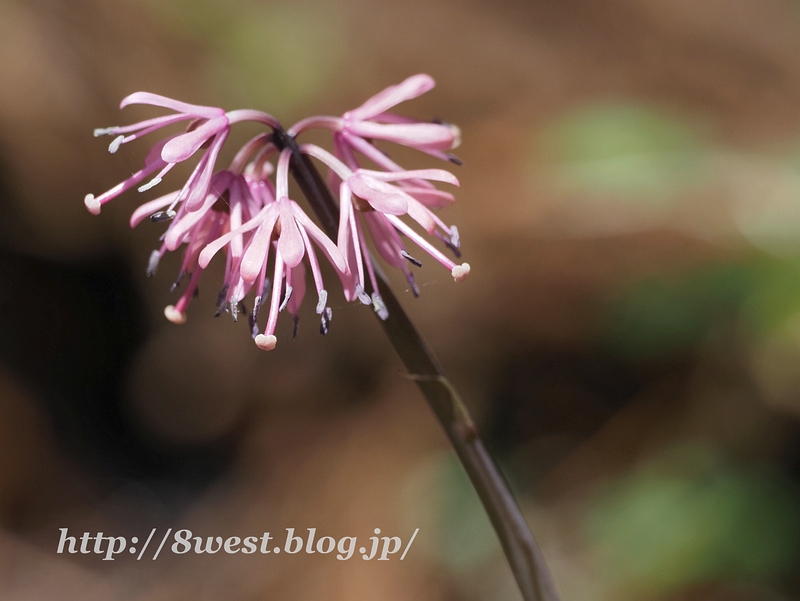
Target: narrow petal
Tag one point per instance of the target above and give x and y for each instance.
(206, 112)
(414, 86)
(290, 242)
(422, 215)
(376, 156)
(256, 254)
(238, 191)
(147, 125)
(430, 197)
(240, 115)
(345, 208)
(297, 280)
(277, 281)
(185, 145)
(380, 159)
(381, 196)
(428, 136)
(386, 240)
(439, 175)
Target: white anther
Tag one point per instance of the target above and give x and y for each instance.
(460, 272)
(175, 316)
(152, 183)
(286, 298)
(379, 306)
(362, 296)
(323, 301)
(92, 204)
(266, 342)
(115, 144)
(456, 131)
(455, 239)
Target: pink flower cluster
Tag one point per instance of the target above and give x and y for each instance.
(265, 235)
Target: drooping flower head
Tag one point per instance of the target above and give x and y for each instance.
(265, 236)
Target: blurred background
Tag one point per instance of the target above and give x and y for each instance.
(629, 338)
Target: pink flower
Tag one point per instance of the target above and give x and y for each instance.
(265, 236)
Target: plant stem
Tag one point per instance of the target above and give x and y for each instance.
(523, 554)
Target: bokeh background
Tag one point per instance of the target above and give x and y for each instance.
(629, 338)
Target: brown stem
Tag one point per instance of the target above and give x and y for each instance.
(523, 554)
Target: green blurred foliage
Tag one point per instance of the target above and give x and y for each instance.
(658, 318)
(689, 517)
(452, 509)
(766, 194)
(280, 56)
(775, 300)
(625, 151)
(467, 537)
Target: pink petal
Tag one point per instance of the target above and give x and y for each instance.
(381, 196)
(423, 216)
(386, 240)
(414, 86)
(290, 242)
(296, 278)
(394, 118)
(220, 182)
(345, 208)
(439, 175)
(428, 136)
(185, 145)
(430, 196)
(206, 112)
(256, 254)
(154, 155)
(238, 190)
(350, 278)
(149, 125)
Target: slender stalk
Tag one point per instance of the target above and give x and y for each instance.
(523, 554)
